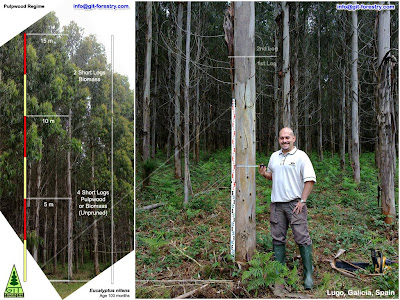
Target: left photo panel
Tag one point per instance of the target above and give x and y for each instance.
(67, 150)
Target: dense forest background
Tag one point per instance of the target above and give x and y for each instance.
(183, 105)
(68, 154)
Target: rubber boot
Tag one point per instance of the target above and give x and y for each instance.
(306, 256)
(279, 251)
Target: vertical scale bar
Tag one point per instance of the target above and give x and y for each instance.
(112, 159)
(25, 157)
(233, 179)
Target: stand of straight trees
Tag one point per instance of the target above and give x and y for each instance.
(316, 69)
(65, 154)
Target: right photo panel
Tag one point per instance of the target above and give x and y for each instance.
(267, 150)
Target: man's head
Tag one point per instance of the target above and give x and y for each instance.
(286, 139)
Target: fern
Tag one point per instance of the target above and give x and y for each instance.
(154, 244)
(264, 271)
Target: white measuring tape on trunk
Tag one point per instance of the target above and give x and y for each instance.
(233, 179)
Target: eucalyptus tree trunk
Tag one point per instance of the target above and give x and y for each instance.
(156, 91)
(320, 146)
(287, 118)
(55, 221)
(177, 127)
(38, 204)
(386, 120)
(196, 148)
(276, 81)
(245, 95)
(70, 204)
(146, 83)
(187, 182)
(296, 78)
(95, 226)
(343, 121)
(354, 103)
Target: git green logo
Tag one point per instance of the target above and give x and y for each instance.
(14, 288)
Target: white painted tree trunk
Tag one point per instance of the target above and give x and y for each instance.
(245, 95)
(354, 102)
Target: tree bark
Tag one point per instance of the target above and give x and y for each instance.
(386, 120)
(343, 121)
(320, 145)
(245, 95)
(55, 221)
(296, 78)
(287, 118)
(276, 82)
(146, 84)
(177, 127)
(187, 183)
(38, 204)
(156, 95)
(70, 204)
(354, 104)
(95, 226)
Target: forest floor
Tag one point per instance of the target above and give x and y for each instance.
(85, 272)
(180, 250)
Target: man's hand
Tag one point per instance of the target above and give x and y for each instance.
(298, 208)
(262, 169)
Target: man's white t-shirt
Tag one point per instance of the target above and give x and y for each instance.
(289, 173)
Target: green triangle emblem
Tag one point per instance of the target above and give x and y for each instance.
(14, 288)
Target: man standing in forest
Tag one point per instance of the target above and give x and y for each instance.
(293, 178)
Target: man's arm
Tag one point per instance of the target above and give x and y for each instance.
(308, 186)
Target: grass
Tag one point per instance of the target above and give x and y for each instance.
(65, 289)
(176, 244)
(84, 272)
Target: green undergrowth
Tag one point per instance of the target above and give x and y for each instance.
(175, 243)
(84, 272)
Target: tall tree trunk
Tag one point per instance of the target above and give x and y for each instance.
(45, 232)
(177, 127)
(196, 148)
(245, 95)
(197, 121)
(354, 103)
(70, 204)
(38, 204)
(348, 116)
(55, 221)
(64, 250)
(343, 121)
(146, 84)
(320, 145)
(287, 118)
(296, 78)
(276, 81)
(187, 183)
(95, 226)
(156, 95)
(386, 120)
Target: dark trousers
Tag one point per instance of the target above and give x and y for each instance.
(282, 216)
